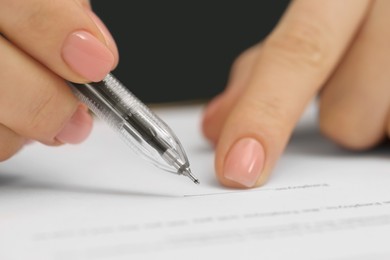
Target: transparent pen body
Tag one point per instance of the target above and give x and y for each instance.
(138, 126)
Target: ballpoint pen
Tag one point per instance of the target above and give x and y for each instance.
(138, 126)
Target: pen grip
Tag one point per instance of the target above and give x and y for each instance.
(100, 108)
(138, 126)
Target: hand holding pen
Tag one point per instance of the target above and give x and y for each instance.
(46, 109)
(336, 49)
(43, 43)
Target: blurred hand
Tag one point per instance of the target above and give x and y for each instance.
(337, 49)
(41, 44)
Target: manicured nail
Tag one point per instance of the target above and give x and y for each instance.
(87, 56)
(110, 42)
(78, 128)
(244, 162)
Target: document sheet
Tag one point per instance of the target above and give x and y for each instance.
(100, 200)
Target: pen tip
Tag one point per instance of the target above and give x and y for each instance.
(187, 172)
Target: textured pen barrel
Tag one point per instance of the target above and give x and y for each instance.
(138, 126)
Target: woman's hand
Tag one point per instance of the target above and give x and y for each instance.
(337, 49)
(41, 44)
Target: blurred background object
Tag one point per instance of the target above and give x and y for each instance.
(174, 51)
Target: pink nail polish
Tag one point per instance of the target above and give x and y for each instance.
(87, 56)
(245, 162)
(78, 128)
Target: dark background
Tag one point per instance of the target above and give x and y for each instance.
(183, 50)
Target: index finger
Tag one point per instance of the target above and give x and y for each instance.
(64, 35)
(294, 62)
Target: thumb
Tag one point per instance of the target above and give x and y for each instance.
(64, 35)
(293, 63)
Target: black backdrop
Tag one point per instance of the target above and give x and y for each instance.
(183, 50)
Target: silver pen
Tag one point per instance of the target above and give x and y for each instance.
(138, 126)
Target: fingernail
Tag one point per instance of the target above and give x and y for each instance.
(87, 56)
(78, 128)
(244, 162)
(110, 42)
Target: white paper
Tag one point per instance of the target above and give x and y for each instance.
(99, 200)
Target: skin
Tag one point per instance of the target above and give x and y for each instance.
(36, 57)
(336, 50)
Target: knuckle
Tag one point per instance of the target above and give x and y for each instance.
(36, 17)
(245, 59)
(238, 63)
(271, 114)
(274, 109)
(341, 130)
(331, 130)
(301, 44)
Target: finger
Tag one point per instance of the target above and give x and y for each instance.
(37, 104)
(219, 108)
(64, 35)
(355, 102)
(10, 143)
(293, 64)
